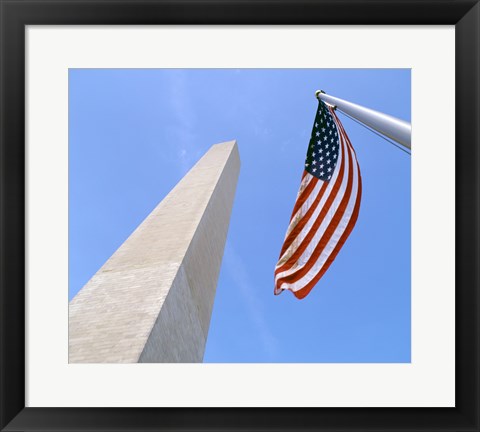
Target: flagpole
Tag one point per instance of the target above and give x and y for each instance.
(392, 127)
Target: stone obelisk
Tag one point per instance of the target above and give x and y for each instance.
(152, 300)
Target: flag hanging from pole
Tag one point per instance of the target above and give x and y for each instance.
(326, 208)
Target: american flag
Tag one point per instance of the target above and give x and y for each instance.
(326, 208)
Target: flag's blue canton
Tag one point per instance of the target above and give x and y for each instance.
(323, 148)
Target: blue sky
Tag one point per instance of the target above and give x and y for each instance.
(134, 133)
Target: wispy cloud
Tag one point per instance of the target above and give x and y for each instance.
(238, 271)
(185, 118)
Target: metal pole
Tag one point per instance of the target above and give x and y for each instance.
(392, 127)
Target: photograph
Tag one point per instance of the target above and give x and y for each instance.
(239, 215)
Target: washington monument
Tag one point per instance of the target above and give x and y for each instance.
(152, 300)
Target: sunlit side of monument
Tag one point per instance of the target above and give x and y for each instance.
(152, 300)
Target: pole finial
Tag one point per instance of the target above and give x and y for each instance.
(318, 92)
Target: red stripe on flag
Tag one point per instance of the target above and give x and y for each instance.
(300, 294)
(305, 218)
(305, 194)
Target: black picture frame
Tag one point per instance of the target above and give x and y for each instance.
(16, 14)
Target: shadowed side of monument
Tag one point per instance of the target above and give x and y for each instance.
(152, 300)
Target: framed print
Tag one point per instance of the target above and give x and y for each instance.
(107, 105)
